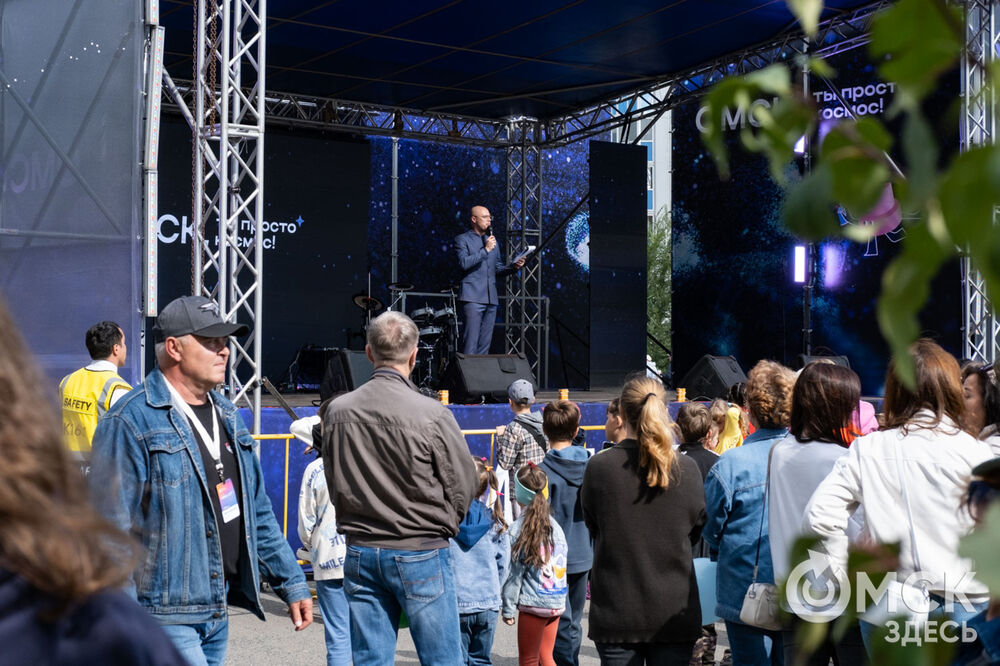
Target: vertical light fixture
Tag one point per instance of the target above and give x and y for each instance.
(799, 269)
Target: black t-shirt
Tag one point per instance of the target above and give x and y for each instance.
(231, 533)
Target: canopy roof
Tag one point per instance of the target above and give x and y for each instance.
(539, 58)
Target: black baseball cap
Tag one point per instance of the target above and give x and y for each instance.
(194, 315)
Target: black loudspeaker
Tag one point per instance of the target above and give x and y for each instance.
(471, 378)
(306, 371)
(711, 377)
(346, 370)
(836, 360)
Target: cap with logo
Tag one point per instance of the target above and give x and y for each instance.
(521, 390)
(194, 315)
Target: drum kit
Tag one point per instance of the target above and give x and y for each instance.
(437, 329)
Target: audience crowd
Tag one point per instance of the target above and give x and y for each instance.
(670, 527)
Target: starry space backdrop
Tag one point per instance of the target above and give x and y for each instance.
(732, 260)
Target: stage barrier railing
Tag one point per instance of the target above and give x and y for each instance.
(288, 437)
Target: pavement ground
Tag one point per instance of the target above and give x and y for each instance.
(275, 642)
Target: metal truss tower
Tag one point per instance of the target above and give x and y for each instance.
(524, 319)
(228, 188)
(982, 329)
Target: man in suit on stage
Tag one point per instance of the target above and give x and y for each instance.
(479, 257)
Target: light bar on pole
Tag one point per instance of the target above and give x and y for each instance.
(799, 265)
(154, 95)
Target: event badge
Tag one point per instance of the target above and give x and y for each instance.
(227, 499)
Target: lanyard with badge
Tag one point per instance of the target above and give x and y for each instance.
(227, 493)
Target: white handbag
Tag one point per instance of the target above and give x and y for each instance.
(760, 603)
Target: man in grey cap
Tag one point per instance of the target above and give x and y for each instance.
(173, 464)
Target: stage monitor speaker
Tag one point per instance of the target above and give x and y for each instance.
(346, 370)
(711, 377)
(472, 379)
(805, 360)
(306, 371)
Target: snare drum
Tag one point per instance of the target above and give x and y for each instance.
(444, 316)
(422, 316)
(430, 332)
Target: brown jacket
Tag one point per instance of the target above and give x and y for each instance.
(398, 468)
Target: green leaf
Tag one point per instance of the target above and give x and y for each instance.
(923, 38)
(807, 12)
(920, 150)
(855, 153)
(982, 546)
(808, 208)
(905, 288)
(970, 189)
(774, 131)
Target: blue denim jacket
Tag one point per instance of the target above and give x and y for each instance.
(480, 570)
(147, 477)
(734, 501)
(530, 586)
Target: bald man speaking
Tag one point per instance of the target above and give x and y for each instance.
(479, 257)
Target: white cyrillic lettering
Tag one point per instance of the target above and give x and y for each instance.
(733, 120)
(868, 591)
(187, 231)
(857, 92)
(931, 631)
(292, 227)
(826, 114)
(159, 228)
(15, 186)
(869, 90)
(892, 86)
(948, 624)
(893, 628)
(846, 93)
(699, 119)
(911, 633)
(880, 89)
(969, 634)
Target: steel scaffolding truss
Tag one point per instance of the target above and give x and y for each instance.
(227, 105)
(228, 110)
(982, 330)
(524, 320)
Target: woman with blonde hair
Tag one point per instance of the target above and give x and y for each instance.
(737, 525)
(644, 505)
(61, 564)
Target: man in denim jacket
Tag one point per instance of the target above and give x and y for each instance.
(174, 464)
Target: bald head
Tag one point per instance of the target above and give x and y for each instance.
(480, 219)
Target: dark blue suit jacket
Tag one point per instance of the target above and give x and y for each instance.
(479, 269)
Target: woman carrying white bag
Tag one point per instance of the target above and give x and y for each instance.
(908, 478)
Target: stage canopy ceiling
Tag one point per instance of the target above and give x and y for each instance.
(539, 58)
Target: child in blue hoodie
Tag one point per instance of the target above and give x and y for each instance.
(480, 554)
(536, 584)
(564, 464)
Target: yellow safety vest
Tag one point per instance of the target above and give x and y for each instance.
(86, 395)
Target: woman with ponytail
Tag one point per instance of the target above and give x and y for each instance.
(737, 526)
(536, 584)
(480, 554)
(644, 505)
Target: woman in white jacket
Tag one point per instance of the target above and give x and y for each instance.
(908, 478)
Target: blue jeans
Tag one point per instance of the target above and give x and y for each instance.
(477, 636)
(336, 621)
(754, 647)
(202, 644)
(567, 648)
(478, 320)
(380, 583)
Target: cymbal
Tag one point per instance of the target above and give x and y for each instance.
(400, 286)
(366, 302)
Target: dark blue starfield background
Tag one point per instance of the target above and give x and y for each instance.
(733, 290)
(438, 184)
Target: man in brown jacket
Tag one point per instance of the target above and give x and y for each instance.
(401, 479)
